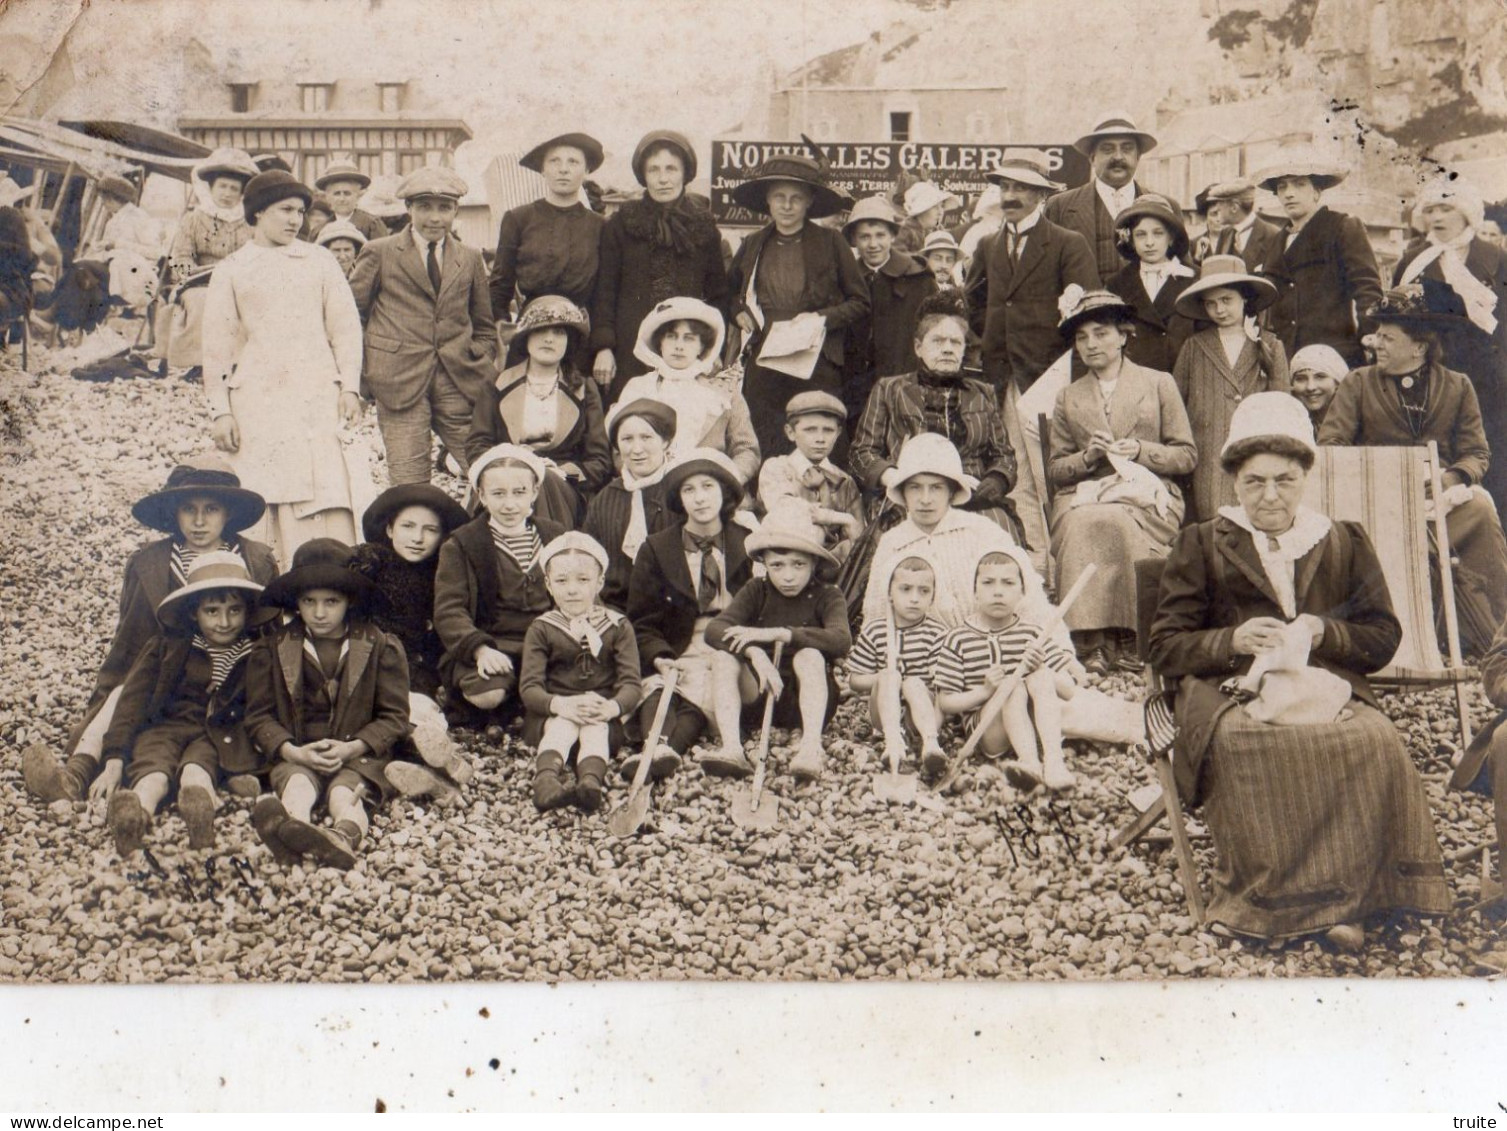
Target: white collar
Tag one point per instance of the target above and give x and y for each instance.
(800, 463)
(423, 245)
(1028, 223)
(1248, 223)
(1308, 529)
(1115, 199)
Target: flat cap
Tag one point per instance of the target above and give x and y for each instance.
(432, 180)
(815, 402)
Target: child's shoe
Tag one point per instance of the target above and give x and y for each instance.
(726, 762)
(550, 791)
(51, 782)
(414, 781)
(243, 785)
(328, 848)
(128, 821)
(351, 831)
(591, 774)
(665, 763)
(809, 763)
(197, 809)
(268, 818)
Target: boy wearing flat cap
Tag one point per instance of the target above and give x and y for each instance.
(430, 338)
(807, 476)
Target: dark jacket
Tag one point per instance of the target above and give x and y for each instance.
(1265, 240)
(1159, 330)
(1480, 356)
(482, 598)
(371, 704)
(1327, 281)
(149, 690)
(817, 617)
(1081, 210)
(1019, 300)
(662, 595)
(1214, 582)
(607, 519)
(582, 438)
(635, 273)
(544, 250)
(883, 342)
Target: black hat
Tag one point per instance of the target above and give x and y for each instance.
(1408, 307)
(588, 145)
(826, 200)
(324, 563)
(704, 461)
(661, 417)
(266, 189)
(206, 476)
(391, 502)
(657, 138)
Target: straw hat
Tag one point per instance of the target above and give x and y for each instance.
(655, 138)
(826, 200)
(682, 308)
(573, 542)
(1024, 167)
(341, 171)
(1323, 172)
(930, 454)
(220, 569)
(940, 240)
(788, 526)
(492, 455)
(227, 162)
(1096, 306)
(393, 501)
(924, 195)
(871, 208)
(1226, 271)
(588, 145)
(340, 230)
(323, 563)
(205, 477)
(1261, 418)
(1116, 125)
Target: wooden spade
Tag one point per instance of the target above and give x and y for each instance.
(629, 817)
(756, 809)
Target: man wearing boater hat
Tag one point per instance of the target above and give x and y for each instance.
(342, 185)
(430, 338)
(1114, 149)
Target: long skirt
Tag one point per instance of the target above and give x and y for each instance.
(1111, 536)
(1316, 826)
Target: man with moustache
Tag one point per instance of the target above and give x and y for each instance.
(1114, 149)
(1017, 275)
(430, 338)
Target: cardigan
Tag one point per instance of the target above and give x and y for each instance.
(1367, 410)
(482, 597)
(580, 434)
(1145, 407)
(555, 664)
(543, 249)
(817, 617)
(1327, 281)
(1159, 330)
(662, 602)
(607, 519)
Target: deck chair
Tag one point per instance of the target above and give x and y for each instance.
(1383, 490)
(19, 327)
(1161, 730)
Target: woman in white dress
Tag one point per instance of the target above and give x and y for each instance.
(282, 369)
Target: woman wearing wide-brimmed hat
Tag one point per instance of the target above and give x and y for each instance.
(1323, 265)
(1409, 398)
(282, 370)
(1151, 235)
(1119, 435)
(1316, 810)
(792, 270)
(544, 402)
(662, 245)
(550, 247)
(1464, 275)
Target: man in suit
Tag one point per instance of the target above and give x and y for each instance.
(342, 185)
(1232, 210)
(1020, 273)
(430, 338)
(1114, 149)
(1322, 263)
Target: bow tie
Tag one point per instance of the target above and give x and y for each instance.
(813, 478)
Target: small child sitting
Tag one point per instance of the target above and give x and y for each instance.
(980, 654)
(404, 527)
(181, 715)
(908, 637)
(489, 585)
(579, 677)
(814, 421)
(202, 508)
(791, 605)
(326, 702)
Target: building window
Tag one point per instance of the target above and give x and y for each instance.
(977, 126)
(314, 97)
(240, 96)
(390, 96)
(899, 125)
(408, 161)
(369, 163)
(313, 165)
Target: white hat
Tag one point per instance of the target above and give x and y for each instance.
(1324, 172)
(940, 240)
(1270, 415)
(1459, 194)
(573, 542)
(219, 569)
(788, 526)
(1025, 167)
(871, 208)
(523, 455)
(1321, 359)
(931, 454)
(1118, 124)
(924, 195)
(682, 308)
(340, 230)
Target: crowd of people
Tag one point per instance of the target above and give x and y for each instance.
(725, 481)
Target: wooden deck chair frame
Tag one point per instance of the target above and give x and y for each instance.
(1167, 805)
(1382, 488)
(24, 321)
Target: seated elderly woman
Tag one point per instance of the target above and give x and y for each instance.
(1317, 812)
(937, 398)
(1408, 397)
(1119, 433)
(630, 508)
(544, 402)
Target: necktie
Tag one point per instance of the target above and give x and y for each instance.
(709, 584)
(812, 480)
(433, 266)
(1012, 243)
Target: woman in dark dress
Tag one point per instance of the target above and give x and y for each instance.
(632, 506)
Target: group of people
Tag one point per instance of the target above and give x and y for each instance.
(694, 486)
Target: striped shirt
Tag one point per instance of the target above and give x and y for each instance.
(183, 559)
(967, 652)
(222, 661)
(523, 546)
(916, 645)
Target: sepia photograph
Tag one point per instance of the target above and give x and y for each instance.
(997, 493)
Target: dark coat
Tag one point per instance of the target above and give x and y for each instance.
(662, 595)
(1327, 281)
(607, 519)
(634, 274)
(371, 704)
(148, 692)
(582, 436)
(543, 249)
(1020, 336)
(1265, 240)
(469, 588)
(883, 343)
(1081, 210)
(1214, 582)
(1159, 330)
